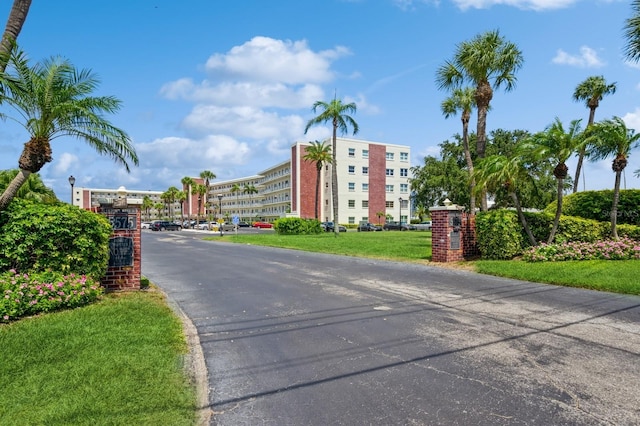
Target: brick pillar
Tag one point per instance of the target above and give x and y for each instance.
(125, 266)
(453, 236)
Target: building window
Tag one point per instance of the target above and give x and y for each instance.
(388, 188)
(389, 155)
(352, 186)
(365, 218)
(389, 172)
(326, 167)
(404, 188)
(365, 153)
(352, 169)
(352, 204)
(352, 152)
(365, 204)
(326, 185)
(404, 156)
(352, 220)
(404, 172)
(388, 204)
(365, 187)
(365, 170)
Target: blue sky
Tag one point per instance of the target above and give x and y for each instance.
(229, 86)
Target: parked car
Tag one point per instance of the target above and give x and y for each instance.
(243, 224)
(164, 225)
(205, 226)
(262, 225)
(366, 226)
(328, 227)
(228, 227)
(423, 226)
(398, 226)
(145, 225)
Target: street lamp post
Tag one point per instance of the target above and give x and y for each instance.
(72, 181)
(401, 200)
(220, 208)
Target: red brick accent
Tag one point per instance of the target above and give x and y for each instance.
(377, 182)
(119, 278)
(307, 184)
(440, 238)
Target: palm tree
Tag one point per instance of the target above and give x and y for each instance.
(632, 33)
(488, 62)
(159, 207)
(337, 113)
(208, 176)
(147, 205)
(170, 196)
(463, 100)
(187, 182)
(380, 215)
(558, 146)
(17, 18)
(52, 100)
(319, 153)
(181, 196)
(235, 188)
(250, 189)
(33, 189)
(591, 91)
(498, 171)
(200, 190)
(612, 138)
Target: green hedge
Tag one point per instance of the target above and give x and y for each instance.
(63, 238)
(297, 226)
(596, 205)
(499, 235)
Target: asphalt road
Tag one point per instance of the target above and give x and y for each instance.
(295, 338)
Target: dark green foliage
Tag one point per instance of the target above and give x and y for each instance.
(596, 205)
(62, 238)
(297, 226)
(499, 234)
(624, 230)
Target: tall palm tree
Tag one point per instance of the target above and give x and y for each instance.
(498, 171)
(170, 197)
(463, 100)
(208, 176)
(487, 62)
(591, 91)
(17, 18)
(187, 183)
(52, 99)
(320, 154)
(632, 33)
(33, 189)
(235, 188)
(147, 205)
(250, 189)
(181, 196)
(557, 145)
(337, 113)
(613, 138)
(199, 190)
(159, 207)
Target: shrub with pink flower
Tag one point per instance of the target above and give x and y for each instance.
(620, 249)
(22, 294)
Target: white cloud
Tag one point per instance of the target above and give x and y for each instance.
(632, 120)
(64, 163)
(537, 5)
(587, 58)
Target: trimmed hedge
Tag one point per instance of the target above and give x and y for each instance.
(498, 234)
(297, 226)
(596, 205)
(63, 238)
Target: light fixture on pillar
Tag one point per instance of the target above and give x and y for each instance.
(72, 181)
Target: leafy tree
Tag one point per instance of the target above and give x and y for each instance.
(320, 154)
(159, 207)
(52, 99)
(33, 188)
(235, 189)
(463, 101)
(591, 91)
(557, 145)
(199, 190)
(337, 113)
(487, 62)
(17, 18)
(251, 190)
(613, 138)
(170, 197)
(501, 171)
(208, 176)
(632, 33)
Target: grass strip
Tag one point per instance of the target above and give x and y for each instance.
(116, 362)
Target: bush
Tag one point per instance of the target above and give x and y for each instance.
(30, 294)
(622, 249)
(62, 238)
(498, 233)
(596, 205)
(297, 226)
(569, 229)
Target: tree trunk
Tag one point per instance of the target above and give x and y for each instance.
(523, 220)
(583, 151)
(319, 170)
(12, 189)
(483, 96)
(16, 20)
(467, 157)
(556, 219)
(614, 206)
(334, 181)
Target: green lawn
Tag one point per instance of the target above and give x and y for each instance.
(116, 362)
(618, 276)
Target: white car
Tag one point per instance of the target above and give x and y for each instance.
(145, 225)
(423, 226)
